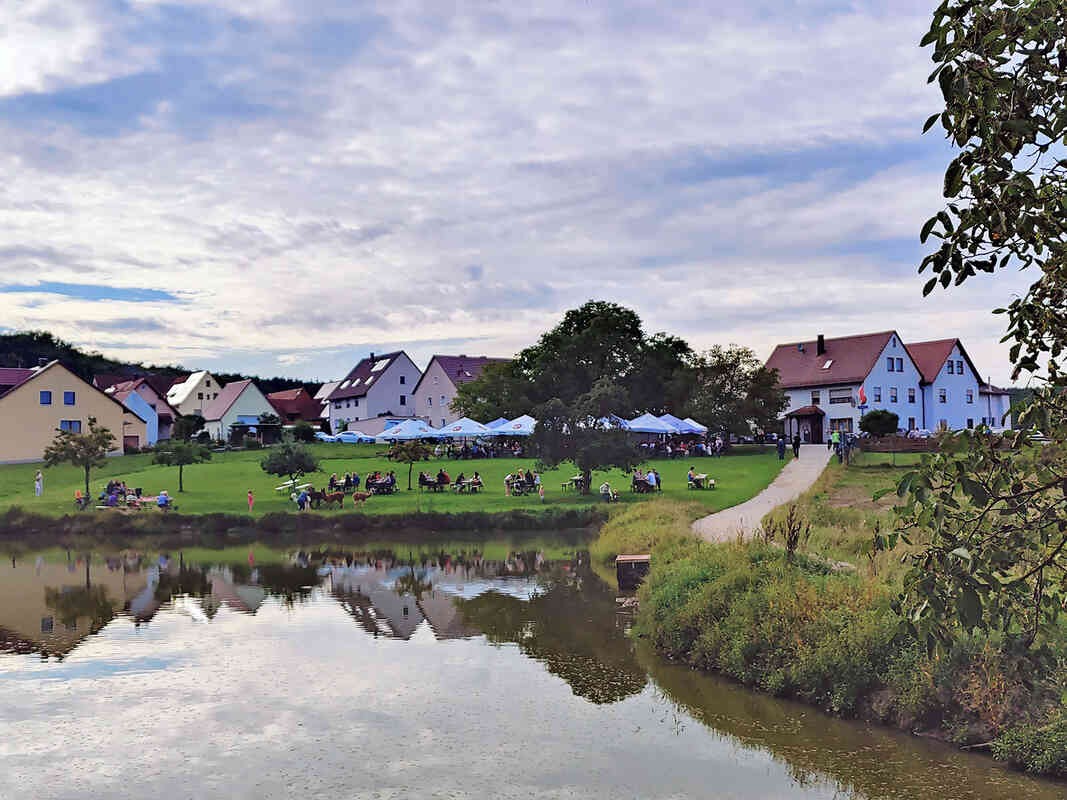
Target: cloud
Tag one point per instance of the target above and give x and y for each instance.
(314, 177)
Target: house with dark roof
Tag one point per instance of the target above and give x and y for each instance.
(831, 383)
(436, 388)
(146, 388)
(378, 386)
(238, 403)
(295, 405)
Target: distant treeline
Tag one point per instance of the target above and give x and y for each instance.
(27, 348)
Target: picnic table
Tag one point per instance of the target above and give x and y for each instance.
(470, 486)
(576, 483)
(701, 481)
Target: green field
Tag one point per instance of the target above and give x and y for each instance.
(221, 484)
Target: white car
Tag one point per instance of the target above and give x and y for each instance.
(353, 437)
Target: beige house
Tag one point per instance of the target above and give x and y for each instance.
(436, 389)
(194, 394)
(34, 403)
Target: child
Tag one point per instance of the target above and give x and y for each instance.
(251, 501)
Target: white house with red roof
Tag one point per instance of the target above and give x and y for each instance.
(436, 388)
(378, 386)
(832, 383)
(238, 403)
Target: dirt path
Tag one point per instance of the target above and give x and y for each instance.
(797, 477)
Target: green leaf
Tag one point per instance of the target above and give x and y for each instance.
(974, 490)
(953, 178)
(929, 287)
(962, 552)
(924, 234)
(881, 493)
(969, 608)
(930, 122)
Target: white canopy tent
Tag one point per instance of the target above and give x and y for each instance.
(696, 426)
(496, 423)
(520, 426)
(466, 428)
(681, 425)
(407, 430)
(646, 423)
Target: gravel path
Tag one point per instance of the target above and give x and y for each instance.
(795, 479)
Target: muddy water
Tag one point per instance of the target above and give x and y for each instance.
(483, 669)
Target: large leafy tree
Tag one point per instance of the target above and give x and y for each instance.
(988, 515)
(177, 453)
(186, 426)
(733, 392)
(86, 450)
(409, 453)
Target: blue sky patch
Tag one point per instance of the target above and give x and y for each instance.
(88, 291)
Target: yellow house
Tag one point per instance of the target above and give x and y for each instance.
(34, 403)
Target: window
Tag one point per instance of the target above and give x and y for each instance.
(970, 422)
(970, 398)
(435, 380)
(894, 340)
(403, 400)
(443, 401)
(951, 367)
(199, 395)
(443, 422)
(815, 398)
(828, 363)
(207, 384)
(348, 403)
(72, 425)
(355, 403)
(900, 365)
(47, 624)
(68, 398)
(843, 424)
(840, 396)
(892, 394)
(942, 395)
(402, 378)
(46, 398)
(911, 423)
(890, 363)
(959, 367)
(911, 395)
(877, 394)
(429, 401)
(337, 404)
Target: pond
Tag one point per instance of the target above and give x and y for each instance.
(469, 670)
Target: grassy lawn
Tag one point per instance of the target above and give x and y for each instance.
(221, 485)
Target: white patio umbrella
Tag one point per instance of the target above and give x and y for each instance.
(465, 428)
(407, 430)
(696, 426)
(520, 426)
(646, 423)
(496, 423)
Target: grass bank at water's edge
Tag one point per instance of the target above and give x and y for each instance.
(797, 629)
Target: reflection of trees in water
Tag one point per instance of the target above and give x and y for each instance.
(291, 583)
(570, 627)
(72, 603)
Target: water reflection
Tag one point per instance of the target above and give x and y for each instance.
(278, 671)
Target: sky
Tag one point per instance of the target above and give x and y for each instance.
(281, 187)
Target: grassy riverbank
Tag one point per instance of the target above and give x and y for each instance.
(798, 628)
(221, 485)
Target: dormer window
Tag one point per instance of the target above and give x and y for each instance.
(829, 361)
(951, 367)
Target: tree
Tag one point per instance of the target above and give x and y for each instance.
(177, 453)
(499, 391)
(266, 418)
(187, 426)
(733, 392)
(879, 422)
(85, 450)
(290, 460)
(988, 514)
(409, 453)
(304, 432)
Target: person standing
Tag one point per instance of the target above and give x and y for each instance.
(796, 445)
(781, 448)
(251, 501)
(38, 484)
(835, 444)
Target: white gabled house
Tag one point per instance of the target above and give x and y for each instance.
(238, 403)
(194, 394)
(832, 383)
(377, 386)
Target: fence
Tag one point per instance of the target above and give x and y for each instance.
(897, 444)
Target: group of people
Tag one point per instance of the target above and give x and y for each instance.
(645, 481)
(478, 450)
(381, 482)
(348, 483)
(521, 482)
(117, 494)
(680, 448)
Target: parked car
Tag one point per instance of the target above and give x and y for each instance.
(324, 437)
(353, 437)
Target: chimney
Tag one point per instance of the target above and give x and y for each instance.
(821, 345)
(372, 356)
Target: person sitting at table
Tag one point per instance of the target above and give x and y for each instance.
(332, 482)
(347, 482)
(163, 500)
(650, 479)
(608, 493)
(390, 479)
(459, 481)
(442, 477)
(528, 478)
(693, 479)
(476, 481)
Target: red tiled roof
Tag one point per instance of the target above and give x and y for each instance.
(807, 411)
(355, 382)
(930, 357)
(163, 408)
(461, 369)
(10, 377)
(851, 360)
(227, 397)
(295, 404)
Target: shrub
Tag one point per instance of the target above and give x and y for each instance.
(304, 432)
(251, 443)
(879, 422)
(1041, 749)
